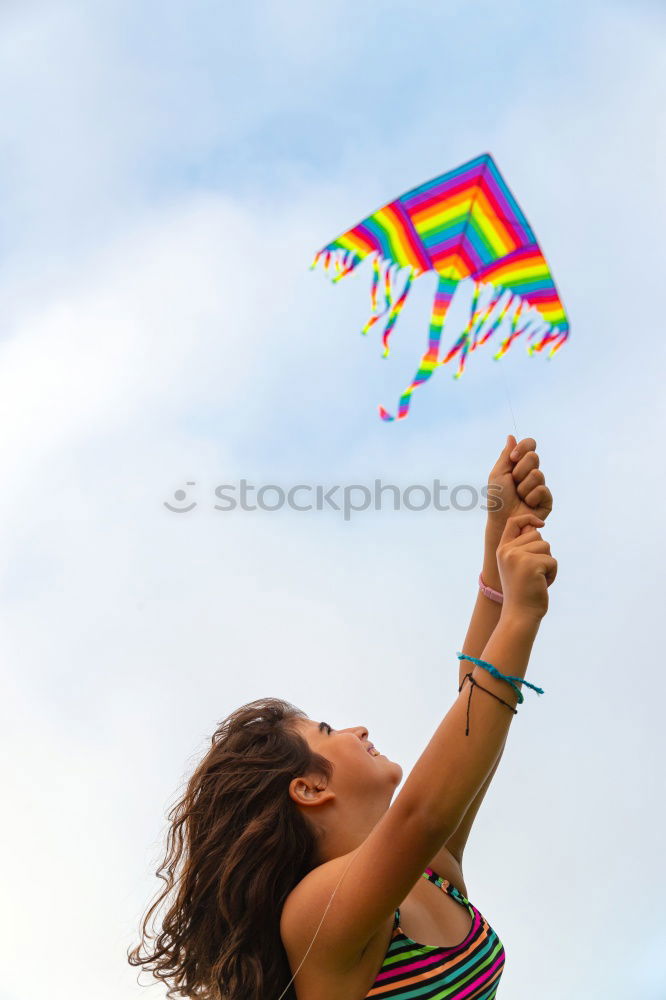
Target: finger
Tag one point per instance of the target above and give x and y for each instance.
(551, 572)
(527, 444)
(542, 498)
(526, 536)
(532, 479)
(515, 524)
(528, 462)
(546, 564)
(538, 547)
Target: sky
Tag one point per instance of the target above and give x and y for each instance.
(167, 172)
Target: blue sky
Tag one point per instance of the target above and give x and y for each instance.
(167, 172)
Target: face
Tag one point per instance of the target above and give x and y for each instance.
(361, 779)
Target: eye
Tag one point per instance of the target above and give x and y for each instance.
(325, 725)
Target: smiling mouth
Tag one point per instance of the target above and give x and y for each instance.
(374, 752)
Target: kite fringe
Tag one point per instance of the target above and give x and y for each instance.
(338, 262)
(525, 316)
(396, 310)
(341, 262)
(380, 264)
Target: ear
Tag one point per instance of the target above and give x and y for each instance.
(309, 792)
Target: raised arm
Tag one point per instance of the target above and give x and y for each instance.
(519, 485)
(526, 571)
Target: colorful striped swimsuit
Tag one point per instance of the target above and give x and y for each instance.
(469, 971)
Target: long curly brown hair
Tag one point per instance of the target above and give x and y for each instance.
(236, 847)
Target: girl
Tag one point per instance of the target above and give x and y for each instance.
(283, 807)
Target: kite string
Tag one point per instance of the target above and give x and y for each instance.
(498, 357)
(476, 323)
(320, 923)
(508, 399)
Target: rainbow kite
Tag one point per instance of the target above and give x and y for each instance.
(463, 224)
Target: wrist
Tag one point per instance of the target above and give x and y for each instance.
(520, 620)
(493, 534)
(492, 593)
(489, 569)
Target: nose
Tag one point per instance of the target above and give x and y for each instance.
(360, 731)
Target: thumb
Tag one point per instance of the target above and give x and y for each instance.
(504, 463)
(510, 445)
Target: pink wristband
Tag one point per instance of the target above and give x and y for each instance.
(494, 595)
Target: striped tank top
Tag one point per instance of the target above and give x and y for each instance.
(469, 971)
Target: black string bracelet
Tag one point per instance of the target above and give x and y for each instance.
(473, 684)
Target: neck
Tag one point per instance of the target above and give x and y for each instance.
(344, 838)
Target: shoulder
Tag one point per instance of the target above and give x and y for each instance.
(301, 926)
